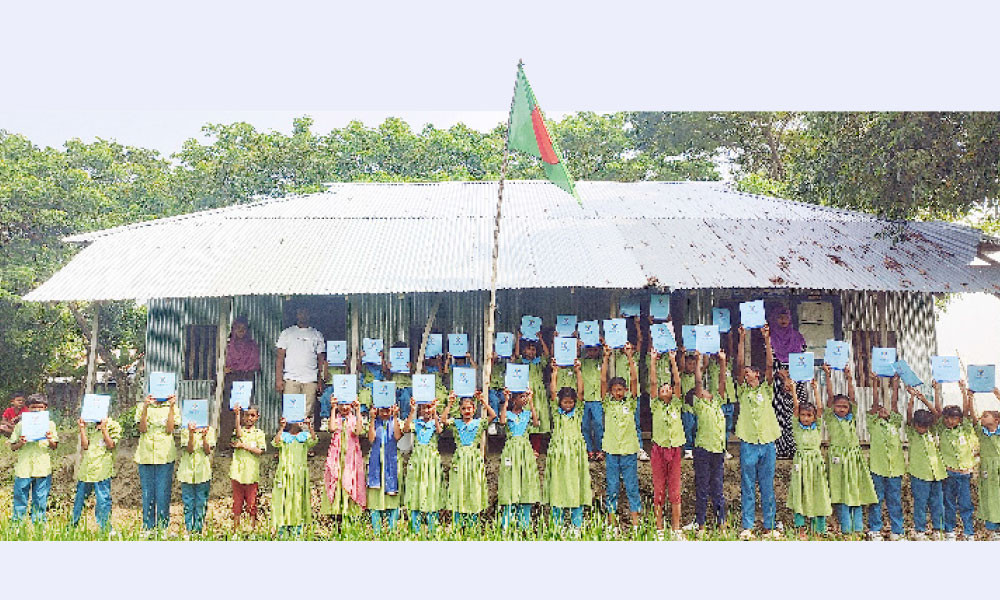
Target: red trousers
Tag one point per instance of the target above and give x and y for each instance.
(244, 493)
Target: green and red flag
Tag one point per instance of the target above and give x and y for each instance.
(527, 133)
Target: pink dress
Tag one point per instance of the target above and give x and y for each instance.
(344, 475)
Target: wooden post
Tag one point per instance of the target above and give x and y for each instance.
(92, 356)
(352, 302)
(221, 342)
(427, 332)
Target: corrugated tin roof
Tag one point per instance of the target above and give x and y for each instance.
(423, 237)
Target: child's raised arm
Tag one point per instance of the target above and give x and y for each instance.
(654, 376)
(360, 428)
(815, 395)
(829, 387)
(472, 361)
(850, 383)
(722, 372)
(531, 407)
(397, 430)
(604, 373)
(926, 402)
(239, 426)
(371, 427)
(768, 355)
(698, 379)
(503, 407)
(740, 362)
(675, 373)
(545, 347)
(876, 395)
(490, 415)
(633, 369)
(967, 400)
(578, 368)
(553, 382)
(895, 394)
(909, 404)
(938, 400)
(281, 428)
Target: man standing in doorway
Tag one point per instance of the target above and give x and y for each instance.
(300, 367)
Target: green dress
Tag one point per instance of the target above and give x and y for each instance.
(376, 500)
(850, 478)
(989, 476)
(567, 471)
(467, 482)
(536, 383)
(290, 497)
(424, 484)
(808, 493)
(518, 477)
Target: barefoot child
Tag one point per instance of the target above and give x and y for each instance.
(668, 440)
(344, 472)
(97, 467)
(383, 467)
(989, 474)
(244, 471)
(467, 494)
(621, 442)
(194, 472)
(887, 462)
(567, 473)
(808, 491)
(851, 487)
(424, 493)
(33, 467)
(957, 436)
(926, 468)
(290, 508)
(518, 486)
(709, 444)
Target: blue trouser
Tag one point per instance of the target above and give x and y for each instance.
(156, 481)
(392, 514)
(38, 488)
(991, 526)
(575, 515)
(593, 425)
(708, 473)
(728, 411)
(927, 495)
(757, 470)
(324, 403)
(957, 494)
(496, 399)
(690, 424)
(523, 515)
(817, 524)
(889, 489)
(403, 396)
(195, 499)
(417, 517)
(102, 510)
(622, 467)
(851, 518)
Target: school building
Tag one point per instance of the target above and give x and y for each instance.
(393, 260)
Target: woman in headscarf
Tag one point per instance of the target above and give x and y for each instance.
(785, 340)
(242, 363)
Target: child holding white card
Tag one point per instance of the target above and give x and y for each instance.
(155, 456)
(957, 436)
(33, 467)
(467, 493)
(886, 460)
(450, 363)
(989, 475)
(518, 486)
(404, 383)
(97, 444)
(593, 407)
(709, 444)
(567, 473)
(383, 467)
(244, 471)
(668, 439)
(536, 355)
(290, 507)
(194, 472)
(926, 467)
(344, 473)
(851, 487)
(808, 489)
(423, 492)
(497, 377)
(621, 442)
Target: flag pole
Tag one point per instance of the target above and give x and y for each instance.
(491, 312)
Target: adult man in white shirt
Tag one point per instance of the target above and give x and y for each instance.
(301, 364)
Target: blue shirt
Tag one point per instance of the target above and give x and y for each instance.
(424, 430)
(517, 423)
(467, 431)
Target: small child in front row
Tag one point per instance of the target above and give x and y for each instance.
(709, 444)
(567, 472)
(989, 474)
(851, 486)
(518, 486)
(33, 468)
(666, 453)
(957, 438)
(344, 471)
(467, 493)
(194, 472)
(97, 466)
(244, 471)
(887, 463)
(621, 442)
(290, 507)
(808, 490)
(384, 431)
(926, 468)
(423, 492)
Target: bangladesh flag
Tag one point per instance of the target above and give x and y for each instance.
(528, 134)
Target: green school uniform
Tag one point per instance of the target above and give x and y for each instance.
(156, 446)
(423, 490)
(518, 481)
(713, 383)
(711, 434)
(467, 491)
(989, 476)
(567, 472)
(498, 377)
(850, 478)
(590, 368)
(687, 384)
(886, 446)
(958, 445)
(331, 371)
(619, 425)
(925, 458)
(757, 423)
(34, 459)
(245, 468)
(536, 383)
(195, 467)
(808, 494)
(97, 462)
(290, 497)
(668, 431)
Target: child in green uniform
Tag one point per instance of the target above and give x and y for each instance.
(957, 435)
(621, 442)
(989, 474)
(244, 470)
(887, 462)
(709, 444)
(668, 439)
(449, 363)
(97, 467)
(423, 491)
(808, 493)
(497, 379)
(518, 484)
(384, 431)
(567, 474)
(851, 486)
(467, 494)
(155, 455)
(290, 507)
(536, 355)
(593, 409)
(33, 467)
(194, 472)
(926, 468)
